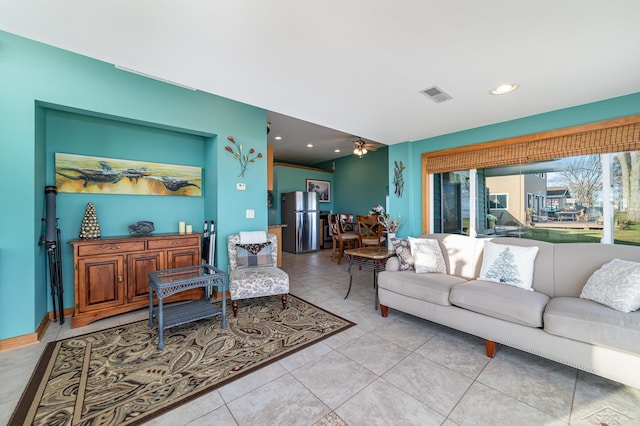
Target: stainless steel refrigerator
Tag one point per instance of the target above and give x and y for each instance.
(300, 214)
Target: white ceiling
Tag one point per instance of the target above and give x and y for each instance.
(358, 66)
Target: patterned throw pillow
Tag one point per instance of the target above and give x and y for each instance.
(616, 285)
(403, 251)
(427, 256)
(508, 264)
(250, 255)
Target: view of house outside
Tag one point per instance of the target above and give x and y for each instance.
(556, 201)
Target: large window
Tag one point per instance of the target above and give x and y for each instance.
(591, 197)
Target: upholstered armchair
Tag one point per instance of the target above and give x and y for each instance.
(253, 271)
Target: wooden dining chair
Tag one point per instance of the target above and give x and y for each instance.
(347, 224)
(370, 231)
(341, 240)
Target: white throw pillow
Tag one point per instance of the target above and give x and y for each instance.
(508, 264)
(427, 256)
(616, 285)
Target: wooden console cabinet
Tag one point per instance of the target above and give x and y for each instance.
(111, 275)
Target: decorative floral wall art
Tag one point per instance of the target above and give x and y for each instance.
(236, 150)
(100, 175)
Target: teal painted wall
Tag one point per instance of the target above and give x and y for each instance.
(412, 151)
(36, 78)
(361, 183)
(75, 133)
(288, 179)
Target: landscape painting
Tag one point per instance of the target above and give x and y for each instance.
(99, 175)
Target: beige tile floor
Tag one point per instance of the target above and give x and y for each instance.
(399, 370)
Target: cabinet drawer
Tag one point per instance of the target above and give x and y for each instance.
(106, 248)
(158, 243)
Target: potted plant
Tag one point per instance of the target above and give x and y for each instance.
(491, 221)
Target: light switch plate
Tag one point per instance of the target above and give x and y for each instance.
(251, 213)
(241, 186)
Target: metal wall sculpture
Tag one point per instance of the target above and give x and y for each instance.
(398, 179)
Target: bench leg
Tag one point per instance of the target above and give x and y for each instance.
(234, 304)
(490, 346)
(284, 301)
(384, 310)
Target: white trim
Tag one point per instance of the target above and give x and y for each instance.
(473, 202)
(432, 201)
(607, 199)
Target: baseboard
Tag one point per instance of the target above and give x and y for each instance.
(36, 336)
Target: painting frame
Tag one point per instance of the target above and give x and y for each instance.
(322, 187)
(78, 173)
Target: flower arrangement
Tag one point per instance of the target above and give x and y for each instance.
(377, 210)
(244, 159)
(390, 224)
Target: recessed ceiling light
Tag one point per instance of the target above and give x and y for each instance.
(336, 150)
(504, 88)
(278, 138)
(309, 145)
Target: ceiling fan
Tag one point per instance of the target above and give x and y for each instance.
(360, 147)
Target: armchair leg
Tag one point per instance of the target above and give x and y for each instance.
(234, 304)
(284, 301)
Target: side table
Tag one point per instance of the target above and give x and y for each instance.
(170, 281)
(372, 258)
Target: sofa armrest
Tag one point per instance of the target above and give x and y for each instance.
(393, 264)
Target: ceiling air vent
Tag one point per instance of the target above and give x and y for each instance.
(436, 94)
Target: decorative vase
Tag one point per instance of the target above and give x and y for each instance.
(390, 235)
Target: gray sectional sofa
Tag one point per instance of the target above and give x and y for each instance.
(552, 321)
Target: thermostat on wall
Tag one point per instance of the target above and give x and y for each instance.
(241, 186)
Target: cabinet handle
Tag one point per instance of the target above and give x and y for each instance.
(119, 278)
(113, 247)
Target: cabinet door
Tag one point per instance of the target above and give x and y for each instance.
(101, 283)
(138, 267)
(183, 257)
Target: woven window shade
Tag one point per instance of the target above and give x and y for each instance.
(617, 135)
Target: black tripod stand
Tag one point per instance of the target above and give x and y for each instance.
(51, 240)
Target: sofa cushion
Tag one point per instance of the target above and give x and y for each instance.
(432, 288)
(403, 253)
(508, 264)
(427, 256)
(591, 322)
(616, 285)
(501, 301)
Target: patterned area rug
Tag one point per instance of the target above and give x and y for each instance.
(119, 377)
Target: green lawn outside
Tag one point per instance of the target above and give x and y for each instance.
(630, 235)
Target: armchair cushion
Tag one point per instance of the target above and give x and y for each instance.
(232, 249)
(250, 255)
(259, 281)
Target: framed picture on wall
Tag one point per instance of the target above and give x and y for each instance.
(322, 187)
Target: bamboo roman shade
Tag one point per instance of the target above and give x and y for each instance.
(617, 135)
